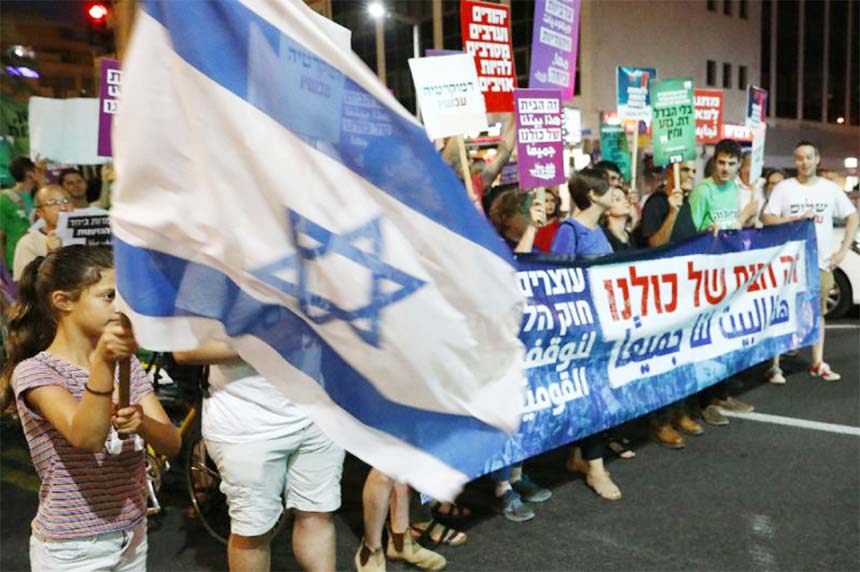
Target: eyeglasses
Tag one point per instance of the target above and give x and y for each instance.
(55, 203)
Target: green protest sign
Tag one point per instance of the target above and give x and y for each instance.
(14, 125)
(674, 124)
(613, 147)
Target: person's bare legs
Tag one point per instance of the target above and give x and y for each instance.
(399, 508)
(314, 541)
(818, 347)
(249, 553)
(376, 499)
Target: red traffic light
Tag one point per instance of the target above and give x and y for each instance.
(97, 13)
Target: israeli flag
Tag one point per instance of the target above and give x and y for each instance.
(272, 192)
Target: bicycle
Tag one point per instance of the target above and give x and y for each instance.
(202, 481)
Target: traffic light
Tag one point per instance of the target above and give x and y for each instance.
(97, 14)
(98, 21)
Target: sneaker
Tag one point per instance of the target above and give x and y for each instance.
(513, 508)
(686, 424)
(668, 437)
(712, 416)
(774, 375)
(732, 404)
(530, 491)
(823, 371)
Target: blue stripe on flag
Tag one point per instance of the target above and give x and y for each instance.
(215, 38)
(179, 288)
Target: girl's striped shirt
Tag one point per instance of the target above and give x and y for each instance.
(82, 493)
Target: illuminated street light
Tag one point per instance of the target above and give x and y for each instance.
(376, 10)
(850, 162)
(840, 120)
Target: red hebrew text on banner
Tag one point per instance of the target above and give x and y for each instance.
(486, 30)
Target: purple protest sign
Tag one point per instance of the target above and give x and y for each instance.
(539, 137)
(554, 45)
(111, 77)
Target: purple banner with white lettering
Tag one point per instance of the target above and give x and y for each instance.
(539, 137)
(108, 96)
(554, 46)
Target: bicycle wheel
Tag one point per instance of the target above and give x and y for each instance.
(203, 483)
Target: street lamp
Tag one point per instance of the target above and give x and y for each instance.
(376, 10)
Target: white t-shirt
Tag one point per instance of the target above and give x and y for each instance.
(32, 245)
(243, 407)
(824, 197)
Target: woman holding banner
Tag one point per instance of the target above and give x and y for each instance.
(583, 236)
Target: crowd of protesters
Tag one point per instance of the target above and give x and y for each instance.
(64, 338)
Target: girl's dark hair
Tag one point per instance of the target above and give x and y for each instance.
(32, 322)
(580, 186)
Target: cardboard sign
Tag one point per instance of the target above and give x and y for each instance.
(674, 122)
(65, 130)
(109, 84)
(632, 96)
(756, 106)
(554, 45)
(90, 226)
(449, 95)
(540, 146)
(613, 147)
(737, 132)
(486, 30)
(708, 104)
(756, 119)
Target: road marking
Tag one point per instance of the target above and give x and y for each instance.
(843, 326)
(793, 422)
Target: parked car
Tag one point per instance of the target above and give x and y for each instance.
(846, 293)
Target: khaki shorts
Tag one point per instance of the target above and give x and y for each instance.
(301, 471)
(827, 282)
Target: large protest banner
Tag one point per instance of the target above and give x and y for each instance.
(449, 95)
(540, 146)
(611, 340)
(674, 123)
(486, 33)
(110, 81)
(613, 147)
(756, 120)
(323, 302)
(555, 41)
(708, 104)
(632, 98)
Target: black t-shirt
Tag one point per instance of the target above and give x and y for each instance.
(655, 212)
(618, 246)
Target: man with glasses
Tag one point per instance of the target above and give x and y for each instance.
(50, 201)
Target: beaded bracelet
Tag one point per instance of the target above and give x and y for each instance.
(100, 393)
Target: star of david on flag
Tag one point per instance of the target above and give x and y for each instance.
(313, 243)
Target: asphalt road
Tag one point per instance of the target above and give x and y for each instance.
(769, 493)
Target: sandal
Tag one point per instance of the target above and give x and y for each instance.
(449, 510)
(604, 486)
(621, 447)
(437, 534)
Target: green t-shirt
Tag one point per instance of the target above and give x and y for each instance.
(14, 222)
(714, 204)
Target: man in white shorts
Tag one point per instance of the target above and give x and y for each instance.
(809, 196)
(269, 456)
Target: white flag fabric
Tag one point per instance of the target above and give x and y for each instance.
(272, 192)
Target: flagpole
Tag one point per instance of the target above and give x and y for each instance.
(634, 156)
